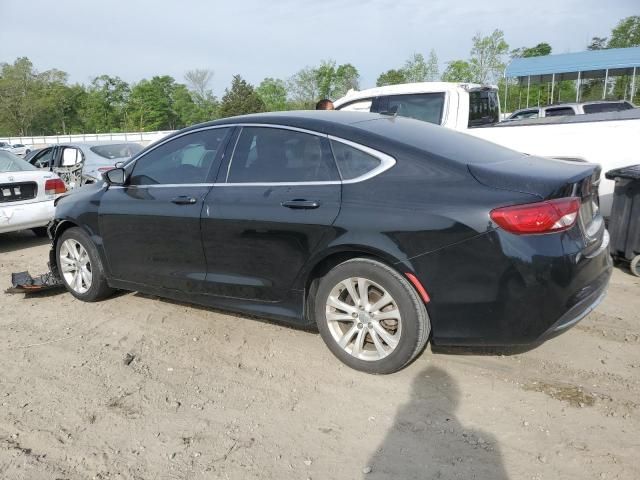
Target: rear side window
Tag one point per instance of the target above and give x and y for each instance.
(274, 155)
(607, 107)
(352, 162)
(526, 114)
(558, 112)
(118, 150)
(427, 107)
(484, 107)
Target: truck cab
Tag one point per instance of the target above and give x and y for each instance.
(458, 106)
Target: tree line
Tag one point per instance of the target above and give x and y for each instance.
(46, 103)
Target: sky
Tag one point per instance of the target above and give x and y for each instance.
(138, 39)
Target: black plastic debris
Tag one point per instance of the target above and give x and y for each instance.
(23, 282)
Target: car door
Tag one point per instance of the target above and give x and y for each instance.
(151, 226)
(274, 202)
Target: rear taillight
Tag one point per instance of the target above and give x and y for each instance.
(543, 217)
(105, 169)
(54, 186)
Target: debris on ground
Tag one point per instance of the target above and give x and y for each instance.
(23, 282)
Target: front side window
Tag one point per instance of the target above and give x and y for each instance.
(353, 162)
(42, 159)
(558, 112)
(427, 107)
(274, 155)
(185, 159)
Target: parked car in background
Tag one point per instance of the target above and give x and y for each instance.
(4, 146)
(608, 138)
(20, 149)
(26, 195)
(381, 231)
(82, 163)
(570, 109)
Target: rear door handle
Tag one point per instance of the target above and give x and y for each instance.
(299, 204)
(184, 200)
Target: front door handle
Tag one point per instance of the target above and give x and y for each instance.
(184, 200)
(298, 204)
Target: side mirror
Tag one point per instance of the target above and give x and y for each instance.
(115, 176)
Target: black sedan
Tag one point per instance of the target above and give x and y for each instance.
(383, 232)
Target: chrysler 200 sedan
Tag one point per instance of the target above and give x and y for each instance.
(383, 232)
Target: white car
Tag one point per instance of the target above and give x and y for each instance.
(26, 195)
(20, 150)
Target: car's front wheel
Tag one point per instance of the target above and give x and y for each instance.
(80, 267)
(370, 316)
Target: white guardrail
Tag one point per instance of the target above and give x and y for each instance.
(144, 138)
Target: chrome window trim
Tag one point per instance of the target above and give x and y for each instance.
(386, 161)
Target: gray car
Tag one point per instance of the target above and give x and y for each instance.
(83, 163)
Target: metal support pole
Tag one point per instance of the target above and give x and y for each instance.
(606, 80)
(528, 87)
(506, 92)
(578, 82)
(553, 84)
(633, 84)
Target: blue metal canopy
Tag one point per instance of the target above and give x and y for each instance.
(591, 60)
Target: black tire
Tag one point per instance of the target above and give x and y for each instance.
(99, 288)
(40, 232)
(416, 325)
(634, 266)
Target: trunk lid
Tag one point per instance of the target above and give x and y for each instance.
(547, 179)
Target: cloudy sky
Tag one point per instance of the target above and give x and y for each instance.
(274, 38)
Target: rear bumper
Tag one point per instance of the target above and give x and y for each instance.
(500, 289)
(25, 216)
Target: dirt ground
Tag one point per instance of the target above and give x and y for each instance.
(141, 388)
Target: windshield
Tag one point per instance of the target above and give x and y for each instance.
(10, 163)
(117, 150)
(484, 107)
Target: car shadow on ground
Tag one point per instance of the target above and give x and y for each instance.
(427, 441)
(14, 241)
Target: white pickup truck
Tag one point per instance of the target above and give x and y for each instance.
(609, 139)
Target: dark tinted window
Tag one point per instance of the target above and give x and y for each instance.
(185, 159)
(525, 114)
(484, 107)
(42, 159)
(117, 150)
(607, 107)
(421, 106)
(278, 155)
(351, 161)
(558, 112)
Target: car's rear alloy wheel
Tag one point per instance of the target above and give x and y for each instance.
(363, 318)
(370, 316)
(80, 266)
(76, 266)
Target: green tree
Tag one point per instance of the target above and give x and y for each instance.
(457, 71)
(487, 54)
(59, 104)
(20, 90)
(597, 43)
(416, 69)
(391, 77)
(104, 106)
(159, 104)
(240, 99)
(273, 93)
(205, 103)
(327, 80)
(540, 50)
(626, 33)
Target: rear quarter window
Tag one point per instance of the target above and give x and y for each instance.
(352, 162)
(484, 107)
